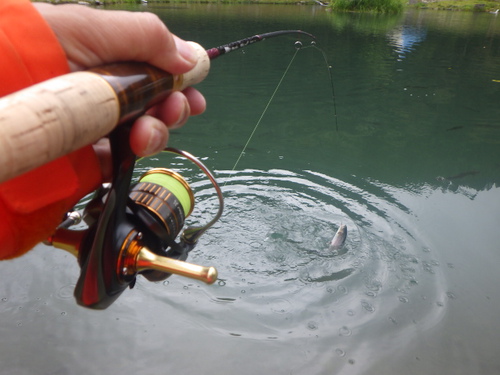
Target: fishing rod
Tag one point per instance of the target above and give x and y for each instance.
(226, 48)
(130, 230)
(86, 106)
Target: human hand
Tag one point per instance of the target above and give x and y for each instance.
(92, 37)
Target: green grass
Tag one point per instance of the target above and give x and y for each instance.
(465, 5)
(379, 6)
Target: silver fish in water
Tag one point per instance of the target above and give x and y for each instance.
(339, 238)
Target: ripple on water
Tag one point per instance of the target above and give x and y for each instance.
(66, 292)
(280, 280)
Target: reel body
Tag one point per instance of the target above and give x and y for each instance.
(133, 230)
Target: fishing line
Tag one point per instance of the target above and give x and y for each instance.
(329, 67)
(265, 110)
(298, 46)
(331, 84)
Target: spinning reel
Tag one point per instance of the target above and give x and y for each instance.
(133, 230)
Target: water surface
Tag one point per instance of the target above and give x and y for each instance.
(407, 156)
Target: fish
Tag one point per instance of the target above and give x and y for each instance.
(455, 128)
(339, 238)
(457, 176)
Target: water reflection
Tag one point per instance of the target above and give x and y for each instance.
(405, 39)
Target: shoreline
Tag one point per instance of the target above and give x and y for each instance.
(489, 6)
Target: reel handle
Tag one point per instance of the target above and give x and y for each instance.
(139, 258)
(147, 260)
(135, 258)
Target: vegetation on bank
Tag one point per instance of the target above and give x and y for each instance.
(465, 5)
(380, 6)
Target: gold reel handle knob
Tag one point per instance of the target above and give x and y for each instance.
(147, 260)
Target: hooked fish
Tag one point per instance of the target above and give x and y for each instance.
(457, 176)
(455, 128)
(339, 238)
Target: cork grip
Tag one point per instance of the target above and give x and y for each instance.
(200, 71)
(53, 118)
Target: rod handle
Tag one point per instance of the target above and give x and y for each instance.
(53, 118)
(56, 117)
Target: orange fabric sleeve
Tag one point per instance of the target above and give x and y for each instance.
(32, 205)
(29, 51)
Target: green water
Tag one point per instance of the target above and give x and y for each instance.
(407, 156)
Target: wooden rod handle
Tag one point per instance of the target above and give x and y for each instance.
(53, 118)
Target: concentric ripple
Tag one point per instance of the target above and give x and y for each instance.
(279, 281)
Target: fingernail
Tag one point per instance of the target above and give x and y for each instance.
(187, 51)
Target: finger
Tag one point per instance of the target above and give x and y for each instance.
(196, 101)
(155, 44)
(174, 111)
(116, 36)
(148, 136)
(103, 151)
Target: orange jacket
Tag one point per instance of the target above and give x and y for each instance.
(33, 204)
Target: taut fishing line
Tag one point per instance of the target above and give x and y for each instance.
(263, 112)
(298, 46)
